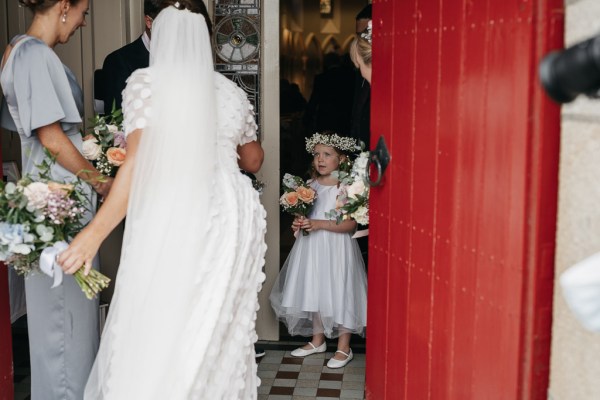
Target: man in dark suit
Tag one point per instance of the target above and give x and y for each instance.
(361, 109)
(119, 64)
(330, 103)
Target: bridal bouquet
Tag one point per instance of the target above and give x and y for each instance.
(353, 199)
(105, 146)
(298, 197)
(37, 218)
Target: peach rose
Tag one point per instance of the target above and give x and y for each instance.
(116, 156)
(305, 194)
(60, 187)
(291, 198)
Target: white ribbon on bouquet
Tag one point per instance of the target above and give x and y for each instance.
(48, 264)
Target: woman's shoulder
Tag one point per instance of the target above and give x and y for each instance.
(226, 87)
(142, 75)
(137, 97)
(29, 51)
(232, 99)
(137, 82)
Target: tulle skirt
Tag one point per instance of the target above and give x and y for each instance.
(322, 287)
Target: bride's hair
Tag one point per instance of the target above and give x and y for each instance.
(195, 6)
(42, 5)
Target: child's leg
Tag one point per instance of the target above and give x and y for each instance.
(318, 336)
(343, 345)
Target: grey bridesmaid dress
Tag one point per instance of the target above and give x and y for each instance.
(63, 324)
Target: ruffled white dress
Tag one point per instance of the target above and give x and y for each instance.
(322, 287)
(182, 321)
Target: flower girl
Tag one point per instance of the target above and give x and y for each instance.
(321, 290)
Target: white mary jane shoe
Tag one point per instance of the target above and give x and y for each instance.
(333, 363)
(300, 352)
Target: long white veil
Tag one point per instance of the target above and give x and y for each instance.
(177, 154)
(166, 244)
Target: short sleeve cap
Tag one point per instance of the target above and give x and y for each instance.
(38, 89)
(137, 101)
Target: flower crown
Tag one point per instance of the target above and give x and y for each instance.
(366, 34)
(342, 143)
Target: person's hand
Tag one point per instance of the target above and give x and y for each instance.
(80, 253)
(310, 225)
(102, 186)
(297, 223)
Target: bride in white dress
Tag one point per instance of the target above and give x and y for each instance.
(182, 320)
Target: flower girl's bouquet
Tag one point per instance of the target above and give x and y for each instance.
(353, 199)
(106, 146)
(298, 197)
(37, 218)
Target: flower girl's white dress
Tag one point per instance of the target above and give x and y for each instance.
(181, 323)
(323, 277)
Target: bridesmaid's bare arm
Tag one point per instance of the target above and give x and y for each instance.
(54, 139)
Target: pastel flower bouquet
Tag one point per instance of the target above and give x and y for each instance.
(106, 146)
(298, 197)
(37, 217)
(353, 199)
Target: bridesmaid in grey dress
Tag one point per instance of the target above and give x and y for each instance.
(44, 103)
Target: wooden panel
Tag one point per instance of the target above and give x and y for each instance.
(462, 244)
(381, 124)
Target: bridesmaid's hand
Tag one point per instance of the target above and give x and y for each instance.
(80, 253)
(102, 187)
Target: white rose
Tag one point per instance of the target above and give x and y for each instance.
(357, 188)
(112, 128)
(362, 160)
(37, 195)
(91, 150)
(361, 215)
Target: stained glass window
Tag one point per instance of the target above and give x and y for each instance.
(236, 42)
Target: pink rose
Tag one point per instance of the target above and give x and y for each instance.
(60, 187)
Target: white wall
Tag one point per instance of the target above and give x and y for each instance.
(575, 363)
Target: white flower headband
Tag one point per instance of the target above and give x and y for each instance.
(366, 34)
(333, 140)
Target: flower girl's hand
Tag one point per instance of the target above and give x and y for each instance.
(311, 225)
(297, 224)
(80, 253)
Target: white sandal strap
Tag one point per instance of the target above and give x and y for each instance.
(344, 353)
(312, 345)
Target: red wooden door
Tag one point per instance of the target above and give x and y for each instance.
(462, 228)
(6, 362)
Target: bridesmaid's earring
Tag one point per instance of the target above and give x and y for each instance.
(64, 18)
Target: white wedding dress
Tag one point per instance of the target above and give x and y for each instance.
(182, 321)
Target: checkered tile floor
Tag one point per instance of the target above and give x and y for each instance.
(284, 377)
